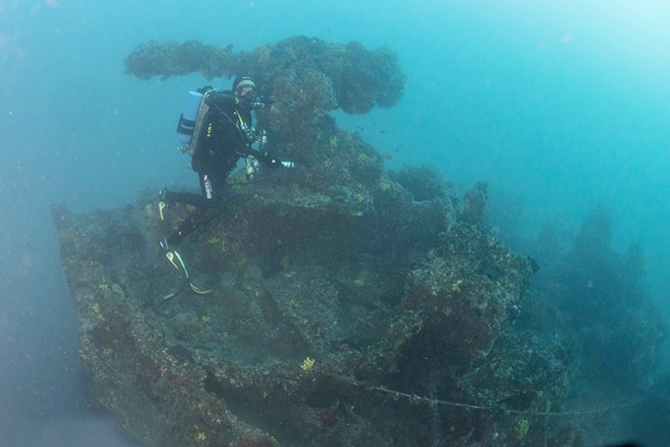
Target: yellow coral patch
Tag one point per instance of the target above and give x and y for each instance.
(385, 185)
(149, 210)
(521, 428)
(307, 364)
(263, 54)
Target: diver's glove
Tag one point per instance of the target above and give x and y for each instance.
(270, 160)
(249, 103)
(274, 162)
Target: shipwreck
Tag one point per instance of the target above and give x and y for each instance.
(349, 305)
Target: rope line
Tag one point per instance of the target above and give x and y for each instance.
(414, 398)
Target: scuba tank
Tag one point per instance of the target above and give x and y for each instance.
(187, 119)
(191, 121)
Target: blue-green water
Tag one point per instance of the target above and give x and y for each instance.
(561, 104)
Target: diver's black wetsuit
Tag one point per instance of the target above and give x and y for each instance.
(223, 139)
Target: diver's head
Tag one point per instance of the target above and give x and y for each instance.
(244, 87)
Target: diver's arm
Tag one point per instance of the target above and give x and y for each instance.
(246, 151)
(264, 156)
(220, 99)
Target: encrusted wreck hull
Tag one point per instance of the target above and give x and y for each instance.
(349, 306)
(394, 323)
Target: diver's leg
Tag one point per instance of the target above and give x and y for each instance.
(208, 206)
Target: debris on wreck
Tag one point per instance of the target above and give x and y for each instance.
(349, 305)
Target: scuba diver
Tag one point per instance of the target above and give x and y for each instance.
(219, 132)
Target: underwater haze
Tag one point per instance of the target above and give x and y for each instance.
(560, 106)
